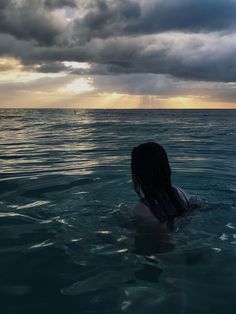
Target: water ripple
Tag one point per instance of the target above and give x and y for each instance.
(66, 223)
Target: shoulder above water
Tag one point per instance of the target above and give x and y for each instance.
(142, 211)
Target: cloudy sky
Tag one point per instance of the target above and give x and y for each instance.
(118, 53)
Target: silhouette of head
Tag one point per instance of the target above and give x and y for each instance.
(150, 167)
(151, 175)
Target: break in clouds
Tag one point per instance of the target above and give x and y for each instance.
(169, 47)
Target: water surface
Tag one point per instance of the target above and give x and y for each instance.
(66, 198)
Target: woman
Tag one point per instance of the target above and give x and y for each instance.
(160, 203)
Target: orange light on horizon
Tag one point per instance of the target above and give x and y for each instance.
(34, 89)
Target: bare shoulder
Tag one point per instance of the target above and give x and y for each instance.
(146, 220)
(140, 209)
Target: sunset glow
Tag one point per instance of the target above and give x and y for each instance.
(73, 54)
(79, 86)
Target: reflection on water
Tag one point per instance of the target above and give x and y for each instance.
(67, 232)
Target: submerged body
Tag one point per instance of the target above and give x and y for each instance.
(143, 213)
(152, 236)
(160, 203)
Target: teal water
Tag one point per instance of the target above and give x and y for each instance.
(66, 228)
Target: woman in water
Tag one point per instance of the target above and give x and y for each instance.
(160, 203)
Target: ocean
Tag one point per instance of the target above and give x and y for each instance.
(67, 237)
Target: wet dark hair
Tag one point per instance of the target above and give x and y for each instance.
(151, 175)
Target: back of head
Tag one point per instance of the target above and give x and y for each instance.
(150, 167)
(152, 181)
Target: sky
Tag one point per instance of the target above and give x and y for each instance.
(118, 53)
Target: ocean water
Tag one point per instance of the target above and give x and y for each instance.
(67, 237)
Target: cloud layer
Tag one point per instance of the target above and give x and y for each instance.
(186, 40)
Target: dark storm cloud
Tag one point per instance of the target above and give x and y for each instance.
(10, 46)
(3, 4)
(198, 57)
(181, 38)
(59, 3)
(52, 67)
(105, 18)
(31, 21)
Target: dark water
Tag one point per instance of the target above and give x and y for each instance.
(66, 198)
